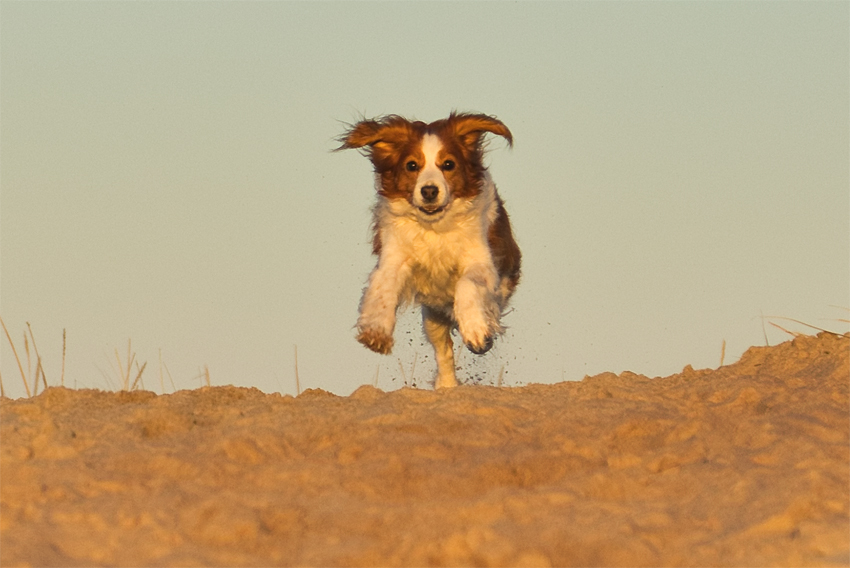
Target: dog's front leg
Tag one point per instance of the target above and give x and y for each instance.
(476, 310)
(379, 304)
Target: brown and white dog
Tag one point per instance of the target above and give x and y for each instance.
(441, 233)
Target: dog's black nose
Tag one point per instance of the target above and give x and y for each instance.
(429, 193)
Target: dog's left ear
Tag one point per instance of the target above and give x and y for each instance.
(470, 128)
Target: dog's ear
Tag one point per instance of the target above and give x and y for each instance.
(470, 128)
(364, 133)
(381, 135)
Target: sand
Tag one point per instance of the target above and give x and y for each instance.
(746, 465)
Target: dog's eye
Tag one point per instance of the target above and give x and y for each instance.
(448, 165)
(411, 166)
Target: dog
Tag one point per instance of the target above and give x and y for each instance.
(441, 233)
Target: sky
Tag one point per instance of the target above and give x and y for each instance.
(679, 182)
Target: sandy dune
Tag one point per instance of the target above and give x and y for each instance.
(745, 465)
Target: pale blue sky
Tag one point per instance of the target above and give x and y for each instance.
(165, 175)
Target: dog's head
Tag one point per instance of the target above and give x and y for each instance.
(427, 165)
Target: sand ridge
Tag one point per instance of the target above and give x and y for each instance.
(748, 464)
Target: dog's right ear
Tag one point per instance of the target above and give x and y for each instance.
(364, 133)
(381, 135)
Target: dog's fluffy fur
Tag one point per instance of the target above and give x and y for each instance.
(441, 233)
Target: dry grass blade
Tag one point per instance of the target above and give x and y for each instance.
(29, 361)
(122, 374)
(139, 376)
(764, 330)
(130, 360)
(162, 366)
(297, 380)
(170, 378)
(801, 323)
(403, 375)
(18, 359)
(204, 375)
(124, 371)
(39, 368)
(792, 333)
(842, 320)
(62, 380)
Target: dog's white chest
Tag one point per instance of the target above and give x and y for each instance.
(437, 259)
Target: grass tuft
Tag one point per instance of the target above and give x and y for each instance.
(17, 359)
(128, 371)
(124, 370)
(797, 334)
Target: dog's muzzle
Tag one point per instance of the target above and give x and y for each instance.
(429, 194)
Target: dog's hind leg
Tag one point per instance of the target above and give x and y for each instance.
(438, 329)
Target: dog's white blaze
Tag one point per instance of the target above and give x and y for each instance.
(431, 173)
(431, 146)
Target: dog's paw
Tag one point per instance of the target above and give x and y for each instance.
(478, 331)
(479, 338)
(376, 340)
(481, 349)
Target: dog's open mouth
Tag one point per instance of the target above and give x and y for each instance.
(432, 211)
